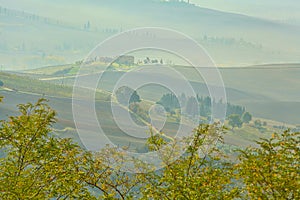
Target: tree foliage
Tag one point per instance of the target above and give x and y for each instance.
(235, 121)
(199, 174)
(247, 117)
(169, 102)
(272, 171)
(38, 165)
(126, 96)
(235, 110)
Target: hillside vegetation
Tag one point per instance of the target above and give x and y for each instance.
(38, 165)
(267, 91)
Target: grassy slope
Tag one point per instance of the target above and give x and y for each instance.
(30, 85)
(66, 128)
(269, 91)
(62, 45)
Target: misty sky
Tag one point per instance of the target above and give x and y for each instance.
(233, 40)
(287, 10)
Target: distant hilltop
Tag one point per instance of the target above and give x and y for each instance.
(123, 60)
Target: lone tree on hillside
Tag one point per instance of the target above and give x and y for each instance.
(247, 117)
(257, 123)
(235, 121)
(126, 96)
(135, 98)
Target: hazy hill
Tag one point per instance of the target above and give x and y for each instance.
(267, 91)
(77, 26)
(285, 11)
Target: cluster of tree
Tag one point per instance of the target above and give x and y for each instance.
(235, 120)
(169, 102)
(179, 1)
(29, 16)
(147, 60)
(235, 110)
(130, 98)
(189, 105)
(230, 42)
(111, 30)
(260, 125)
(87, 26)
(126, 96)
(205, 104)
(201, 106)
(125, 60)
(192, 107)
(38, 165)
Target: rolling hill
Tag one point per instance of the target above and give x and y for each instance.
(268, 91)
(43, 33)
